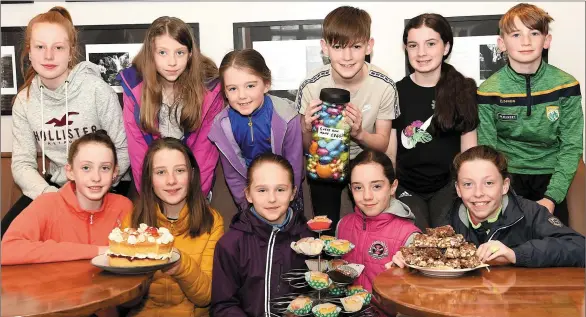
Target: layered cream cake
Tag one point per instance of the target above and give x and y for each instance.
(144, 246)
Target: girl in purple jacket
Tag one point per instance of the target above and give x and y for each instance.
(251, 257)
(254, 123)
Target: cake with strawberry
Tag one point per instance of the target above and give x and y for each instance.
(142, 246)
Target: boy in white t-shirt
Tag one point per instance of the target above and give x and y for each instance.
(373, 96)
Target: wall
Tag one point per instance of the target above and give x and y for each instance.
(216, 20)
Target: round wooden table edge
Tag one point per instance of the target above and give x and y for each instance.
(91, 308)
(385, 304)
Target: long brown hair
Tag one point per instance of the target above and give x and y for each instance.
(56, 15)
(191, 84)
(455, 95)
(200, 216)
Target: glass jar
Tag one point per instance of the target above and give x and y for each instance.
(329, 151)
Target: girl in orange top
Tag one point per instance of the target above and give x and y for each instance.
(74, 222)
(171, 197)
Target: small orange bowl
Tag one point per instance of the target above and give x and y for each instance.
(319, 225)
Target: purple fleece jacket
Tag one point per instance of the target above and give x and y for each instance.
(243, 273)
(285, 140)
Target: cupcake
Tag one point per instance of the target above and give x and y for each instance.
(308, 246)
(335, 290)
(353, 289)
(300, 305)
(319, 223)
(312, 264)
(339, 247)
(366, 295)
(326, 310)
(325, 238)
(352, 303)
(343, 274)
(317, 280)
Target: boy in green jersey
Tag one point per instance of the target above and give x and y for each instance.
(532, 112)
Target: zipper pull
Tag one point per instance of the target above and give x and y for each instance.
(251, 129)
(91, 219)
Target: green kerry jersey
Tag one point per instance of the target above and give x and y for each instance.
(536, 120)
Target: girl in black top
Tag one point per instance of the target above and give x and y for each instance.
(438, 119)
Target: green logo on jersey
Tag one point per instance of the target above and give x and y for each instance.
(553, 113)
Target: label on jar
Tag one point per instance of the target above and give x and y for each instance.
(330, 133)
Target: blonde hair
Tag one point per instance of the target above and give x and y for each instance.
(191, 84)
(56, 15)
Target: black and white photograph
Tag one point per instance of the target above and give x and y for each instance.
(491, 60)
(465, 57)
(6, 104)
(8, 70)
(111, 59)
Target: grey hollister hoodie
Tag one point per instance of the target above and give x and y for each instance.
(48, 121)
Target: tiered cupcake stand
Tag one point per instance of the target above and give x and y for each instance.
(319, 293)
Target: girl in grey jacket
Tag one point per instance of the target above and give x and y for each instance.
(60, 101)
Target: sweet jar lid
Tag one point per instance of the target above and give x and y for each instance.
(335, 95)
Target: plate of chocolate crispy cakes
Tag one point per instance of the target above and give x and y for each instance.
(440, 252)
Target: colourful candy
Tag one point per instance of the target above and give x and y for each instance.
(313, 148)
(322, 152)
(328, 157)
(325, 159)
(334, 153)
(332, 145)
(333, 111)
(323, 171)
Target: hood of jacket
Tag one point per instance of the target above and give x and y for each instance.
(247, 222)
(396, 208)
(70, 88)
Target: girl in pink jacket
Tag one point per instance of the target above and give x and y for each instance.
(380, 224)
(171, 91)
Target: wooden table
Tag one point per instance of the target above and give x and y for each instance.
(502, 292)
(75, 288)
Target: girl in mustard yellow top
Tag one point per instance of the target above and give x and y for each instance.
(171, 197)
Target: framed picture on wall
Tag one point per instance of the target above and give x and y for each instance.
(111, 47)
(290, 48)
(475, 53)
